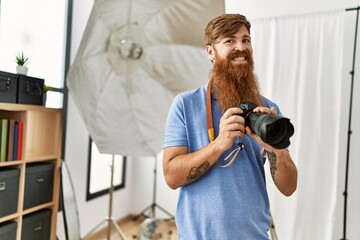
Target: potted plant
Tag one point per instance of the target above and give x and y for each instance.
(21, 61)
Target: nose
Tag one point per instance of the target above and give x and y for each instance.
(240, 46)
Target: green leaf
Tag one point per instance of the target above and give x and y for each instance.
(21, 59)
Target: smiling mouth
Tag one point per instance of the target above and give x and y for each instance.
(239, 60)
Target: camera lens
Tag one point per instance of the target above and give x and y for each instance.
(276, 130)
(272, 129)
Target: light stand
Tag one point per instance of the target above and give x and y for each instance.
(109, 219)
(272, 229)
(151, 208)
(352, 72)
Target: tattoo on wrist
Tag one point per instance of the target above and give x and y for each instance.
(197, 172)
(272, 161)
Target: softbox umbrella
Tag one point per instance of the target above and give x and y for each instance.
(134, 57)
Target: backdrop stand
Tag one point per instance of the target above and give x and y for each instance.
(352, 73)
(149, 212)
(110, 219)
(272, 229)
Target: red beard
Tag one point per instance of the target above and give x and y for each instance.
(235, 84)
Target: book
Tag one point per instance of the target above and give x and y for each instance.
(0, 137)
(16, 136)
(4, 139)
(10, 140)
(20, 140)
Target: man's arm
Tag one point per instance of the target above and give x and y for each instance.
(283, 171)
(181, 167)
(282, 168)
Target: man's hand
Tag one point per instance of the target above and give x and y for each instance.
(231, 125)
(250, 133)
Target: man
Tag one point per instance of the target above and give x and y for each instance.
(204, 130)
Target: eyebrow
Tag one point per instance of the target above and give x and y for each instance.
(233, 36)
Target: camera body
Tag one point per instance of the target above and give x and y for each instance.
(274, 130)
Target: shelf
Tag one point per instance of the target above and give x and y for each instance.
(42, 129)
(9, 217)
(37, 208)
(11, 163)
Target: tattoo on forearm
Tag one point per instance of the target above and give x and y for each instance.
(272, 161)
(197, 172)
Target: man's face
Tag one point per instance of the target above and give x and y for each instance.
(233, 70)
(240, 41)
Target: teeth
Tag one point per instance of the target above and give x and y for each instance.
(240, 58)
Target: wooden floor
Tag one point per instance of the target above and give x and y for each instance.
(166, 230)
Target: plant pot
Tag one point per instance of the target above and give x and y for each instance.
(21, 70)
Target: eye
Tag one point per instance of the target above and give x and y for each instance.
(246, 40)
(228, 41)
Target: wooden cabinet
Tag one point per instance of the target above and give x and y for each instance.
(42, 130)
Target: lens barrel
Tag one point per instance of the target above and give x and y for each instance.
(274, 130)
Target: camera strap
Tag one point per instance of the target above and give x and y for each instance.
(210, 125)
(209, 118)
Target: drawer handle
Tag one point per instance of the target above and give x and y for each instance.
(37, 228)
(2, 186)
(4, 84)
(40, 179)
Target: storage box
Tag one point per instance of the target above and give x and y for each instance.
(39, 178)
(8, 230)
(30, 90)
(9, 190)
(8, 87)
(37, 225)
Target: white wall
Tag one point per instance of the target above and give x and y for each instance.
(139, 173)
(276, 8)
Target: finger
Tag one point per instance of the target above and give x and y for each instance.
(237, 128)
(273, 110)
(258, 139)
(266, 110)
(254, 136)
(234, 134)
(234, 119)
(232, 111)
(248, 130)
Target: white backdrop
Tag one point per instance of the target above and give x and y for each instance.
(299, 63)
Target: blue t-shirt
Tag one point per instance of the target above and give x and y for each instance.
(225, 203)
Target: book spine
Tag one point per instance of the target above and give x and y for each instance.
(20, 139)
(0, 137)
(16, 137)
(11, 140)
(4, 139)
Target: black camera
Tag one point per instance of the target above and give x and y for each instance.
(274, 130)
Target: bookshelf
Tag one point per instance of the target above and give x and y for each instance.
(41, 144)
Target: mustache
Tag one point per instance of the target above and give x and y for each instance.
(237, 53)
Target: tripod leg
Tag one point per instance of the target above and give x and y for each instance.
(153, 205)
(119, 231)
(272, 229)
(143, 213)
(96, 227)
(109, 218)
(162, 209)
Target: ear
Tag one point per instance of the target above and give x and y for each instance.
(210, 52)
